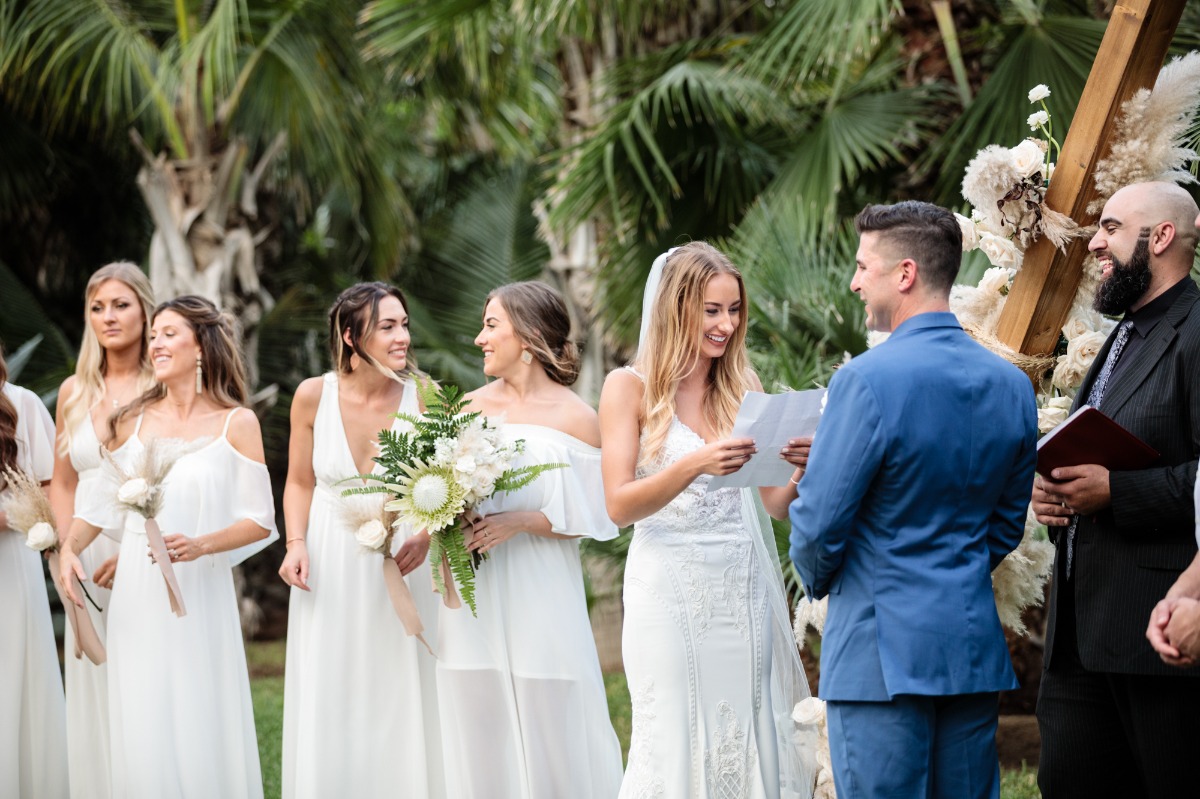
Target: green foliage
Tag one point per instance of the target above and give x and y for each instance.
(451, 545)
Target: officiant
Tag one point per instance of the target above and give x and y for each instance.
(917, 486)
(1115, 720)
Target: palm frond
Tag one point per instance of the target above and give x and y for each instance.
(1054, 50)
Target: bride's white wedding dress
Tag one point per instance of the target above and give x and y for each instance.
(712, 692)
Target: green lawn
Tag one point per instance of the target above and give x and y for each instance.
(266, 683)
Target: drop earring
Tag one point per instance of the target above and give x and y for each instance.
(199, 377)
(526, 357)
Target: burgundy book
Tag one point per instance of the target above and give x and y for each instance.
(1088, 436)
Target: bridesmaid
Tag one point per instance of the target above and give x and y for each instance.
(360, 708)
(524, 712)
(32, 717)
(113, 368)
(181, 720)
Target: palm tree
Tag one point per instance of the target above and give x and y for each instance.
(230, 103)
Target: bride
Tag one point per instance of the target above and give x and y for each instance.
(712, 665)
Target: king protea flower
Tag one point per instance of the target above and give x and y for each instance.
(428, 497)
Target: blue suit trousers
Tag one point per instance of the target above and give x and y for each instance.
(916, 747)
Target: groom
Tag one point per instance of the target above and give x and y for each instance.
(916, 488)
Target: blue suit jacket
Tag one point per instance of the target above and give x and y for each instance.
(917, 486)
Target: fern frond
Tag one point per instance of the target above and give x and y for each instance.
(516, 479)
(452, 544)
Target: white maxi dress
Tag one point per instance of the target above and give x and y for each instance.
(180, 715)
(524, 713)
(33, 736)
(712, 692)
(360, 703)
(86, 682)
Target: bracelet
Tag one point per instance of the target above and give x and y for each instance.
(290, 540)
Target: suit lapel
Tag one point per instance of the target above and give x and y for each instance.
(1085, 388)
(1127, 381)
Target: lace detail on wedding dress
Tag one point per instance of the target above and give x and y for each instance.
(641, 762)
(736, 585)
(732, 760)
(694, 514)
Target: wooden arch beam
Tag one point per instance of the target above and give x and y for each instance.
(1130, 56)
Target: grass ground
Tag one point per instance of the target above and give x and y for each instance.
(266, 684)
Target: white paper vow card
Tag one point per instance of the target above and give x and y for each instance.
(771, 420)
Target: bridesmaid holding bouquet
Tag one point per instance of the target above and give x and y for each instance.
(360, 712)
(180, 716)
(32, 716)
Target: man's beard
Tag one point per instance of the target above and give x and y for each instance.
(1126, 283)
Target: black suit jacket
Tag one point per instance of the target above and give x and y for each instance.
(1128, 555)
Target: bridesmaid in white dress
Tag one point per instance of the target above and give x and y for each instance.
(712, 665)
(180, 716)
(360, 702)
(524, 712)
(113, 369)
(33, 757)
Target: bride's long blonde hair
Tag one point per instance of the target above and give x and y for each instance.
(672, 346)
(93, 358)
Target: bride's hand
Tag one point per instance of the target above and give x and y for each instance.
(724, 457)
(495, 529)
(796, 451)
(412, 553)
(68, 567)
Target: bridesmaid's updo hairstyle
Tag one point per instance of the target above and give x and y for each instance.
(224, 372)
(356, 311)
(8, 424)
(541, 321)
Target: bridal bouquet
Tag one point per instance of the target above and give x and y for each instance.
(140, 490)
(438, 467)
(29, 511)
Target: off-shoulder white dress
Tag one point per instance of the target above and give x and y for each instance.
(524, 713)
(86, 682)
(33, 736)
(181, 719)
(360, 704)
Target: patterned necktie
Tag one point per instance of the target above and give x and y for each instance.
(1095, 397)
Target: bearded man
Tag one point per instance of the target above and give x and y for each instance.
(1115, 719)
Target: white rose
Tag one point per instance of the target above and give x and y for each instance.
(134, 492)
(404, 427)
(1053, 413)
(1039, 93)
(1038, 119)
(970, 234)
(1028, 158)
(1073, 366)
(995, 280)
(1000, 251)
(371, 534)
(1076, 327)
(41, 537)
(465, 465)
(808, 711)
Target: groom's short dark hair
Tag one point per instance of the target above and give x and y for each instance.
(926, 233)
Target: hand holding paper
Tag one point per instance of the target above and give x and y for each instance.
(772, 420)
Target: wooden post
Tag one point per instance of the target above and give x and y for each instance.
(1131, 54)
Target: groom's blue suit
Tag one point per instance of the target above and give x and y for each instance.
(917, 486)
